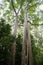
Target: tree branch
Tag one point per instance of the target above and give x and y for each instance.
(13, 6)
(19, 10)
(29, 6)
(34, 24)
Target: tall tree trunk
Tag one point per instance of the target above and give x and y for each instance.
(26, 46)
(14, 44)
(29, 49)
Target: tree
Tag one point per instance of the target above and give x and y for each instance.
(31, 9)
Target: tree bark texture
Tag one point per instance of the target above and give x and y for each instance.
(26, 45)
(13, 50)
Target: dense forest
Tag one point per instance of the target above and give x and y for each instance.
(21, 32)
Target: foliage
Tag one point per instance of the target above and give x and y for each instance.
(37, 53)
(6, 40)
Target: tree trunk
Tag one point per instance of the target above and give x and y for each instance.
(14, 44)
(29, 49)
(26, 46)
